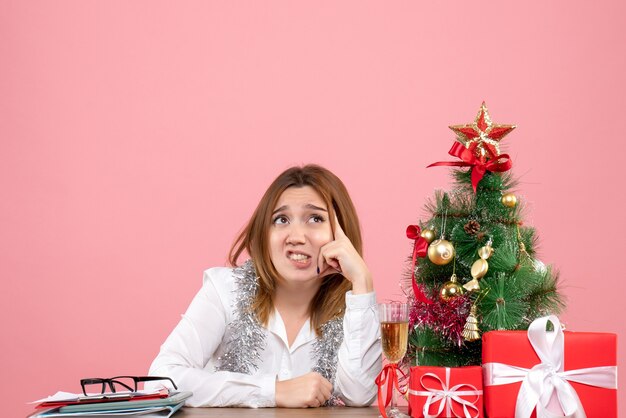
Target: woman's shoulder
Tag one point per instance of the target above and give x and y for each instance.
(221, 278)
(228, 283)
(225, 279)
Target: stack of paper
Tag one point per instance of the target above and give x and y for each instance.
(147, 404)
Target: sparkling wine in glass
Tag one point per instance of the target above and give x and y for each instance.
(394, 330)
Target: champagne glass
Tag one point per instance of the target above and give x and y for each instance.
(394, 330)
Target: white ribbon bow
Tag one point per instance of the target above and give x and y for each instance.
(445, 396)
(548, 377)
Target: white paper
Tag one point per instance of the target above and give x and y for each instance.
(67, 396)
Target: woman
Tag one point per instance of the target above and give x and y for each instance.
(295, 326)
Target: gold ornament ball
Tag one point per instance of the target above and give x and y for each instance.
(509, 200)
(450, 290)
(440, 252)
(428, 235)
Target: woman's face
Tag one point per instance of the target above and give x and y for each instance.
(300, 227)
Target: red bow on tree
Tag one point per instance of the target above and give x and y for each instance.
(479, 146)
(479, 166)
(420, 249)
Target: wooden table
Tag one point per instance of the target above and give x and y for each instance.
(371, 411)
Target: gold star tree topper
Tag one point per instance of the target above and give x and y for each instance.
(482, 136)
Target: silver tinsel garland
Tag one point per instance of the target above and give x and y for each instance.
(325, 351)
(247, 336)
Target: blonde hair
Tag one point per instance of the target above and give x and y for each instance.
(329, 302)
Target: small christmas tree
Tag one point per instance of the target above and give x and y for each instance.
(473, 267)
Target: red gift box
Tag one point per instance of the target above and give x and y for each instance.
(447, 392)
(584, 363)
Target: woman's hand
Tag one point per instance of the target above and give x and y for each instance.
(340, 256)
(306, 391)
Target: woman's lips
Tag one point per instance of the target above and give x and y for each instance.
(299, 259)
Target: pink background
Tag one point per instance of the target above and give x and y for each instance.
(137, 137)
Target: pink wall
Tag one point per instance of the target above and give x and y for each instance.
(136, 138)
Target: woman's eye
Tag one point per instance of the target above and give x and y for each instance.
(317, 219)
(280, 220)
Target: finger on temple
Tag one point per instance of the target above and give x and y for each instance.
(338, 230)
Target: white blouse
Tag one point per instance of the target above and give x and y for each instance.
(190, 353)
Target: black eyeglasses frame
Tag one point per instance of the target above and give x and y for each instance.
(112, 381)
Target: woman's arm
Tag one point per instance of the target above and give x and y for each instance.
(360, 353)
(193, 342)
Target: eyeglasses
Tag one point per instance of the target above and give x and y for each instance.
(127, 382)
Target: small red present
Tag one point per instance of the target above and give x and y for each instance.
(543, 373)
(446, 392)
